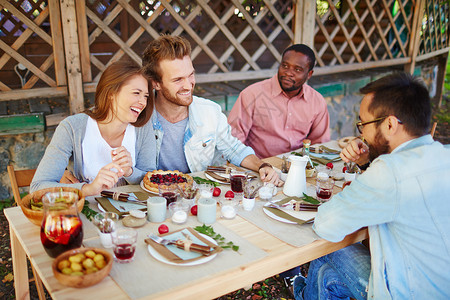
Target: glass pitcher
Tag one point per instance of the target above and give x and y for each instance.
(61, 228)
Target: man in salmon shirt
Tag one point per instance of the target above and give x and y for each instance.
(275, 115)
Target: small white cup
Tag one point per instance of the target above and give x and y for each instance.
(248, 203)
(349, 176)
(105, 239)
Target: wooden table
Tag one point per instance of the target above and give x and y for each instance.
(25, 242)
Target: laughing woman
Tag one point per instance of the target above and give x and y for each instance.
(109, 145)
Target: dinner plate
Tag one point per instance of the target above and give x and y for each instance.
(220, 174)
(200, 261)
(148, 191)
(278, 218)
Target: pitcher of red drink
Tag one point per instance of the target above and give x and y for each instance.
(61, 228)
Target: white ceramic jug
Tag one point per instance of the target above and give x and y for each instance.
(295, 184)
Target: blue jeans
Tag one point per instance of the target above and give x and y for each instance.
(339, 275)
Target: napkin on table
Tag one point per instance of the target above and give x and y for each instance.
(299, 217)
(111, 205)
(177, 255)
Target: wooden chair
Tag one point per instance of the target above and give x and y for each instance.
(20, 179)
(433, 129)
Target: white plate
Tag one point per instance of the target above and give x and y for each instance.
(203, 260)
(274, 216)
(148, 191)
(221, 174)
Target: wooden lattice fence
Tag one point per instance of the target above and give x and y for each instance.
(60, 47)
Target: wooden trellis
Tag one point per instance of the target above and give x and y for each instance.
(64, 45)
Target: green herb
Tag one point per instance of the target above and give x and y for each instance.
(209, 231)
(200, 180)
(87, 211)
(310, 199)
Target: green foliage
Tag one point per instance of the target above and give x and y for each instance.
(447, 78)
(209, 231)
(87, 211)
(200, 180)
(6, 203)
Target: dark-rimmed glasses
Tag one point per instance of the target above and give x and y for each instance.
(360, 124)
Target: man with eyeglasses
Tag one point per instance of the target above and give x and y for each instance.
(403, 198)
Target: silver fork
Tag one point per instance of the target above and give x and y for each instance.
(160, 240)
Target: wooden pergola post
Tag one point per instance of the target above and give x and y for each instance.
(414, 42)
(72, 54)
(57, 42)
(304, 22)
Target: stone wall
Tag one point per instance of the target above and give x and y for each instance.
(24, 151)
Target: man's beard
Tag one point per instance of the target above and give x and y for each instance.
(294, 87)
(379, 146)
(166, 94)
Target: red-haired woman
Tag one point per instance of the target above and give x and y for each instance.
(110, 144)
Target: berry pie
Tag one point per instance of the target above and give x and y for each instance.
(154, 178)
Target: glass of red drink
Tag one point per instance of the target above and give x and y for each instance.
(61, 228)
(324, 189)
(124, 244)
(237, 180)
(169, 191)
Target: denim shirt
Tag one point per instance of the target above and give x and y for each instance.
(404, 199)
(207, 135)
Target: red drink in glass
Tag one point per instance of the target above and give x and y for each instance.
(124, 251)
(237, 183)
(324, 194)
(124, 244)
(170, 197)
(61, 233)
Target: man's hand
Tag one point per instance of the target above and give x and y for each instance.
(69, 178)
(122, 157)
(356, 151)
(268, 174)
(106, 178)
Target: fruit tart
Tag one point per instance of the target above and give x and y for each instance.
(154, 178)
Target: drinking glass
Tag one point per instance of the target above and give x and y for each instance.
(228, 207)
(237, 180)
(168, 191)
(61, 228)
(179, 212)
(206, 190)
(324, 188)
(124, 244)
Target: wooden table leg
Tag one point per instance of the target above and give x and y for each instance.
(39, 286)
(20, 268)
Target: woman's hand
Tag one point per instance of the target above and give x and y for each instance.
(122, 157)
(356, 151)
(106, 178)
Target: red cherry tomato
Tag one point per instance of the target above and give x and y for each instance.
(216, 192)
(194, 210)
(344, 169)
(163, 229)
(229, 194)
(330, 165)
